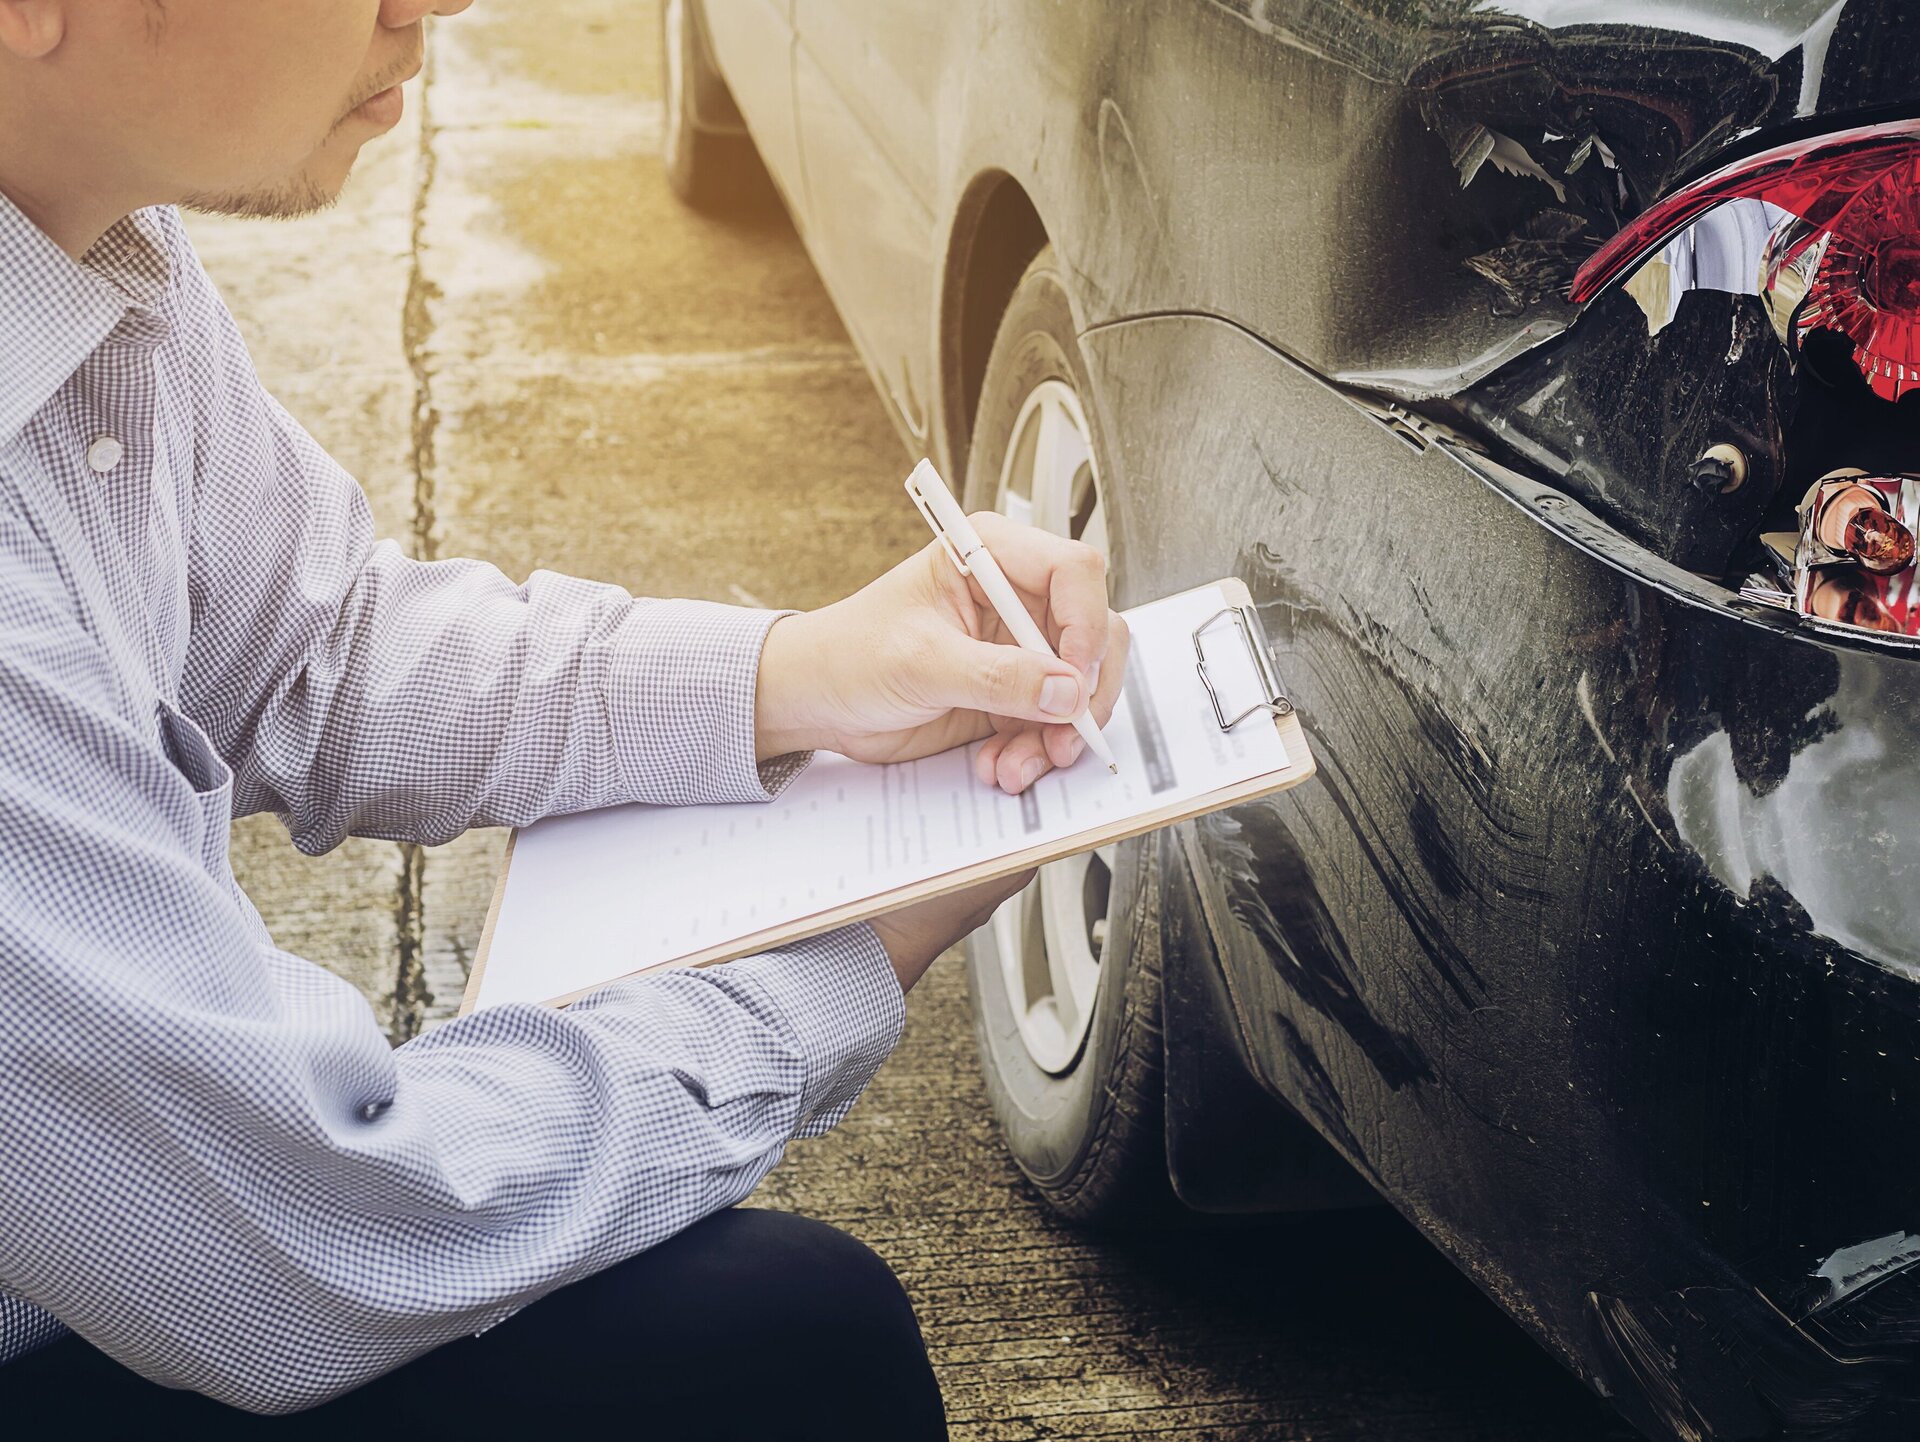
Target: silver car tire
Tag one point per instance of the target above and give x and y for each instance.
(1066, 979)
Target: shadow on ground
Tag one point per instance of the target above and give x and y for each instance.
(1332, 1327)
(1316, 1295)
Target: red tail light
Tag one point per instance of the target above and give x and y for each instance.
(1857, 193)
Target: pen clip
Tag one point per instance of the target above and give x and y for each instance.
(939, 531)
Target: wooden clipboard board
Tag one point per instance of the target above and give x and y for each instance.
(1273, 708)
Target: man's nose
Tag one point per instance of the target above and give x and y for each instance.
(399, 14)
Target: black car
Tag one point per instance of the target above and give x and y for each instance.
(1544, 367)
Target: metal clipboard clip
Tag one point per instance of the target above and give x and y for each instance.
(1276, 702)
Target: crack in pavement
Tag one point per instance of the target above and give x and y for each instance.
(416, 326)
(411, 995)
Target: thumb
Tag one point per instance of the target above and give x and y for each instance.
(1006, 680)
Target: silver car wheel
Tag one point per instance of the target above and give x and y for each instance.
(1050, 937)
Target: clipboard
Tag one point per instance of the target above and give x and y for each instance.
(1237, 623)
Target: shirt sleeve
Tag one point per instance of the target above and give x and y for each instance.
(216, 1169)
(355, 690)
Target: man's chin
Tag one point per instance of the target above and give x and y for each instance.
(314, 189)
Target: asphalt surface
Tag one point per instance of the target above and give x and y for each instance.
(528, 352)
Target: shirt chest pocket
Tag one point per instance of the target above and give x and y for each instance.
(211, 779)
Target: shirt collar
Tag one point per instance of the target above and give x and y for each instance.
(56, 311)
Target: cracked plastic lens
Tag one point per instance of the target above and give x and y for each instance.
(1852, 198)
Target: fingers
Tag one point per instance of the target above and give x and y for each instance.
(1014, 760)
(1067, 579)
(986, 760)
(1020, 753)
(1112, 673)
(1028, 697)
(1002, 680)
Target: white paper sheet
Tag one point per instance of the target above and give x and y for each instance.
(598, 895)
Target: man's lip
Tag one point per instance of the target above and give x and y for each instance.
(393, 84)
(385, 107)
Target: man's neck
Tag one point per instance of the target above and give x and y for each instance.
(72, 213)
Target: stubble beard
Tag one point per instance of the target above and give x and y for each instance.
(290, 198)
(283, 200)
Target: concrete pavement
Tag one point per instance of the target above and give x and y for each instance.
(528, 352)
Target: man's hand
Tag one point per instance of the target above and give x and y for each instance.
(917, 662)
(914, 936)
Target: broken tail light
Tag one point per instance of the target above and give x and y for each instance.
(1853, 559)
(1847, 254)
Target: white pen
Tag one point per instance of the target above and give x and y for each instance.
(963, 544)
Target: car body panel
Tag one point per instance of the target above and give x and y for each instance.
(865, 90)
(1591, 946)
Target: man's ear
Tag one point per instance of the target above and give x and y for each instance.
(32, 29)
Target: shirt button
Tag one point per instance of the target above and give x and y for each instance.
(104, 454)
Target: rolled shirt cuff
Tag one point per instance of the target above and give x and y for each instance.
(682, 687)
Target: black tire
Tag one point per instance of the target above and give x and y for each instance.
(1092, 1139)
(709, 158)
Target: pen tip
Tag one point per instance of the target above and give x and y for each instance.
(1114, 767)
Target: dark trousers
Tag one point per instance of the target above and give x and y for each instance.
(751, 1325)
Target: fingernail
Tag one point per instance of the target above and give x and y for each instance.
(1093, 678)
(1030, 771)
(1059, 696)
(1075, 749)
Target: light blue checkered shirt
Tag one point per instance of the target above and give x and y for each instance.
(212, 1165)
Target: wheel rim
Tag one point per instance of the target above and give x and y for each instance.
(1051, 936)
(673, 19)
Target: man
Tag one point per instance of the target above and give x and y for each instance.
(221, 1193)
